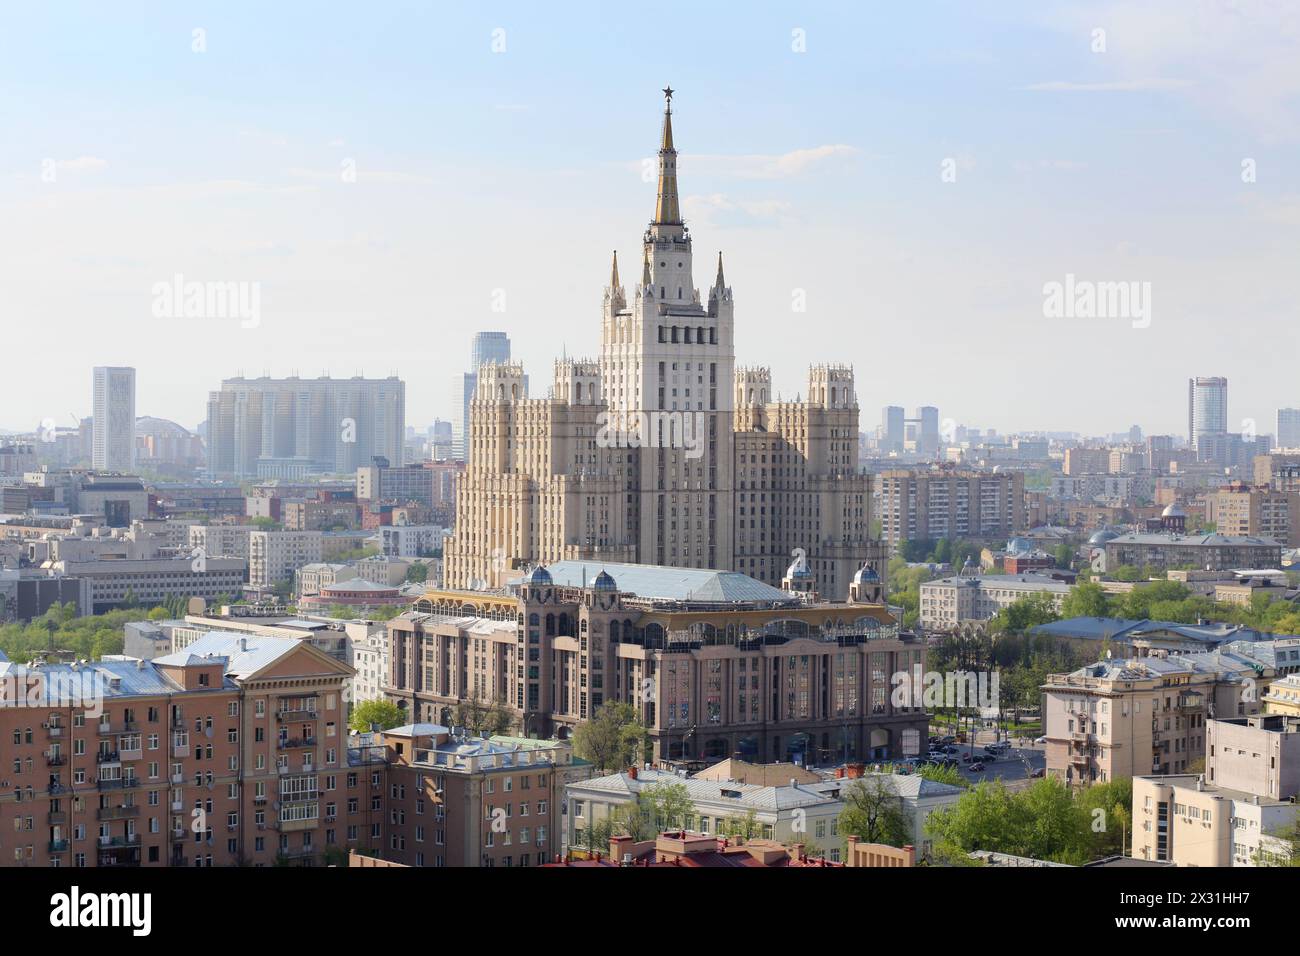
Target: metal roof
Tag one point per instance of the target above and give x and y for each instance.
(671, 584)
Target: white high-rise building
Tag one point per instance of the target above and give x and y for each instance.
(1207, 408)
(294, 427)
(660, 451)
(113, 441)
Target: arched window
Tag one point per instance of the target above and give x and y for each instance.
(550, 625)
(533, 619)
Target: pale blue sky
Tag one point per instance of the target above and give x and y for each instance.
(521, 170)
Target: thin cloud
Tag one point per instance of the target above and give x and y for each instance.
(767, 165)
(1153, 84)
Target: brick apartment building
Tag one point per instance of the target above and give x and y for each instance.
(233, 751)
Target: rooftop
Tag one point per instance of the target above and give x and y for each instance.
(671, 584)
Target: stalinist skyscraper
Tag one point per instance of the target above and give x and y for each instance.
(661, 451)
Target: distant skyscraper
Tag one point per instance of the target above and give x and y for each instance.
(113, 444)
(927, 436)
(293, 427)
(892, 429)
(1288, 428)
(486, 347)
(1207, 408)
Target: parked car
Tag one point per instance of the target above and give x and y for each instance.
(950, 739)
(976, 767)
(1040, 740)
(1037, 773)
(997, 747)
(949, 749)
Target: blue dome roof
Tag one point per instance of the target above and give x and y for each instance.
(538, 577)
(865, 574)
(603, 582)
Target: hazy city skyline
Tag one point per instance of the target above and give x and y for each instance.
(388, 214)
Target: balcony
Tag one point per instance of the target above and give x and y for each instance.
(290, 743)
(179, 859)
(116, 813)
(55, 760)
(180, 750)
(178, 778)
(297, 853)
(58, 846)
(108, 756)
(291, 826)
(259, 798)
(287, 713)
(57, 818)
(129, 839)
(178, 833)
(120, 783)
(54, 731)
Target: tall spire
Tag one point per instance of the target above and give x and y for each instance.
(645, 268)
(720, 284)
(613, 274)
(667, 209)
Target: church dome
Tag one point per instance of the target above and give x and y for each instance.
(603, 582)
(1174, 510)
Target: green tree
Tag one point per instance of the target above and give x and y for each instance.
(379, 711)
(1064, 555)
(1043, 823)
(1023, 614)
(612, 738)
(483, 719)
(417, 573)
(741, 827)
(1086, 600)
(873, 812)
(667, 804)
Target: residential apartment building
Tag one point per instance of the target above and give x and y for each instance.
(1124, 718)
(1259, 511)
(233, 752)
(274, 556)
(113, 400)
(1086, 461)
(945, 503)
(291, 428)
(1212, 552)
(221, 540)
(380, 481)
(948, 603)
(453, 800)
(715, 662)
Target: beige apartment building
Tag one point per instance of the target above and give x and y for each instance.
(946, 503)
(1261, 511)
(1126, 718)
(1234, 813)
(661, 451)
(273, 556)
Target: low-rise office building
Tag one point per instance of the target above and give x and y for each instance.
(948, 603)
(716, 663)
